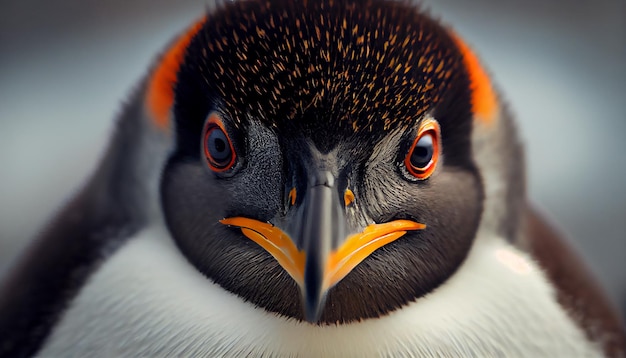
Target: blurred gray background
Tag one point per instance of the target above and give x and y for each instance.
(65, 67)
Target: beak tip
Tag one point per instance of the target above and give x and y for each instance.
(311, 316)
(313, 310)
(314, 298)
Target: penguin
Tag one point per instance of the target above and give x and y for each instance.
(308, 178)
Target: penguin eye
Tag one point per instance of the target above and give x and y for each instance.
(218, 148)
(424, 152)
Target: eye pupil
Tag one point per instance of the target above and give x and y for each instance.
(421, 159)
(218, 149)
(423, 152)
(220, 146)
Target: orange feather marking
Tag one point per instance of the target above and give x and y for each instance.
(484, 99)
(160, 94)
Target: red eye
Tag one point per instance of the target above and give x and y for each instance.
(218, 148)
(424, 152)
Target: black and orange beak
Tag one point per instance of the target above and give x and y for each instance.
(321, 253)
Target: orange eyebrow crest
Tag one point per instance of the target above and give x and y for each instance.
(484, 99)
(160, 92)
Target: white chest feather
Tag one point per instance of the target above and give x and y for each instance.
(147, 300)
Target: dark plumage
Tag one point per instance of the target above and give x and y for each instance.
(300, 118)
(321, 68)
(341, 74)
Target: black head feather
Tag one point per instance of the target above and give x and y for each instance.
(337, 74)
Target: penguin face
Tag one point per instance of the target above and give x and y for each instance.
(323, 165)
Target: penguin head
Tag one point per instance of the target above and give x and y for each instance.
(323, 166)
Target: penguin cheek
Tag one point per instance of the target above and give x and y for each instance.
(449, 204)
(256, 191)
(192, 202)
(453, 213)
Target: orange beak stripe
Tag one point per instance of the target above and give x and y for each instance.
(274, 241)
(340, 263)
(359, 246)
